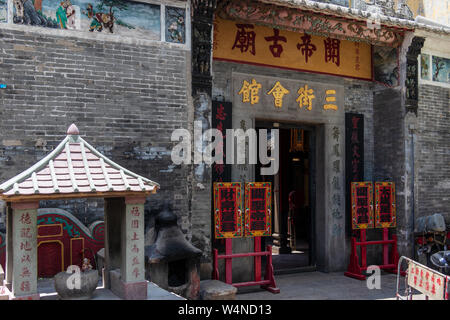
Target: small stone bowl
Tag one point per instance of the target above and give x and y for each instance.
(88, 284)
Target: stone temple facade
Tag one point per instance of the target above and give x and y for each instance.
(129, 84)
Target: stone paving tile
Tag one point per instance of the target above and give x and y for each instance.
(323, 286)
(47, 291)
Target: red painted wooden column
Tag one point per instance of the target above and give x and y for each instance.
(386, 246)
(363, 248)
(228, 261)
(257, 259)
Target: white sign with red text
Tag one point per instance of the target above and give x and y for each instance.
(429, 282)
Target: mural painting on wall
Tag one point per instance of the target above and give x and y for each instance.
(175, 30)
(441, 69)
(425, 66)
(3, 10)
(434, 68)
(385, 65)
(112, 16)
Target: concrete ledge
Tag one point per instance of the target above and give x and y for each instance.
(35, 296)
(216, 290)
(127, 290)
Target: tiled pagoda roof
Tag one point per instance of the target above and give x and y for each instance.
(75, 169)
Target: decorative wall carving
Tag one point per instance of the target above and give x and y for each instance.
(411, 83)
(202, 21)
(307, 21)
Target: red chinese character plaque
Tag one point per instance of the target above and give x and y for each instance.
(362, 205)
(227, 210)
(385, 215)
(258, 209)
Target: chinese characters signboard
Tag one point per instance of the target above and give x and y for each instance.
(228, 210)
(25, 271)
(362, 205)
(221, 120)
(260, 45)
(385, 215)
(426, 281)
(134, 245)
(258, 209)
(281, 95)
(354, 154)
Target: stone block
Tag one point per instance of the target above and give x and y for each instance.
(127, 290)
(216, 290)
(4, 292)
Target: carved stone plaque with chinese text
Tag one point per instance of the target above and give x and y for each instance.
(134, 244)
(288, 98)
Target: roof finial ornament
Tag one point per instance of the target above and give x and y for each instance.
(73, 130)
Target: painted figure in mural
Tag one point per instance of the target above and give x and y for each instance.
(99, 20)
(65, 15)
(26, 13)
(18, 4)
(438, 65)
(174, 30)
(3, 10)
(71, 17)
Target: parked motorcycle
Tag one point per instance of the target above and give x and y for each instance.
(441, 261)
(431, 236)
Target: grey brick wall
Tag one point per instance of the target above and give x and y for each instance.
(433, 151)
(125, 99)
(389, 155)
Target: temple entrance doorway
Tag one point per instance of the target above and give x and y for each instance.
(293, 233)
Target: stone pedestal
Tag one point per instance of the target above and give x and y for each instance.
(127, 290)
(129, 282)
(216, 290)
(133, 256)
(24, 243)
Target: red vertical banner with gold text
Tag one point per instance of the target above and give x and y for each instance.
(228, 210)
(258, 209)
(385, 211)
(362, 205)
